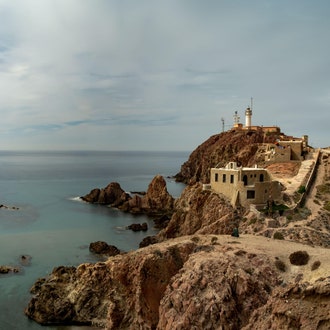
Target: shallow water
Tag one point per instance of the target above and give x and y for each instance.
(53, 226)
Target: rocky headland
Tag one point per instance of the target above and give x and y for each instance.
(193, 274)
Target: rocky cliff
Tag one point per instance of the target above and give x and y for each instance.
(239, 146)
(192, 282)
(207, 279)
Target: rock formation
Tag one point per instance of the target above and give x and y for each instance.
(112, 195)
(239, 146)
(200, 281)
(193, 274)
(101, 247)
(157, 199)
(298, 306)
(200, 212)
(8, 269)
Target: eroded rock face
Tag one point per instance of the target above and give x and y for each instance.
(240, 146)
(216, 290)
(200, 212)
(201, 281)
(298, 306)
(156, 200)
(123, 292)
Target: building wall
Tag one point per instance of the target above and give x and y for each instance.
(296, 148)
(244, 186)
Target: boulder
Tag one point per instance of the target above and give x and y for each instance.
(138, 226)
(101, 247)
(112, 195)
(9, 269)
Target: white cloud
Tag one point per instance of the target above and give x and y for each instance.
(137, 68)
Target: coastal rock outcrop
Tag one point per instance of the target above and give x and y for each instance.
(112, 195)
(239, 146)
(101, 247)
(200, 281)
(156, 201)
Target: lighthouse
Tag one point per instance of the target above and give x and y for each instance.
(248, 115)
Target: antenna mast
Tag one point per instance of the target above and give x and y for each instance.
(223, 124)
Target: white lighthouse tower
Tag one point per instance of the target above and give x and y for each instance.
(248, 116)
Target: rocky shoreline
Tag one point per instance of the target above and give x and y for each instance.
(193, 273)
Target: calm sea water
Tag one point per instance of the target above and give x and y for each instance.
(53, 226)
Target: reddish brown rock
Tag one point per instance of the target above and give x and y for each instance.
(157, 199)
(101, 247)
(201, 281)
(200, 212)
(304, 306)
(239, 146)
(112, 195)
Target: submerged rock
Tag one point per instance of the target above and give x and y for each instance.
(9, 269)
(138, 226)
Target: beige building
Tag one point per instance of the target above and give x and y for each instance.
(245, 185)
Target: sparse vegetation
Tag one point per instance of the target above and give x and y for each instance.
(316, 264)
(301, 189)
(280, 265)
(195, 239)
(278, 235)
(253, 221)
(299, 258)
(327, 206)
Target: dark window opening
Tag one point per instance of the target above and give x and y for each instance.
(261, 178)
(245, 180)
(250, 194)
(223, 177)
(216, 177)
(231, 178)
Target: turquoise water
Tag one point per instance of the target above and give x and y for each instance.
(53, 226)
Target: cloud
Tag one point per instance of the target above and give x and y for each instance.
(122, 67)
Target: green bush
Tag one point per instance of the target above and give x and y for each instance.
(327, 206)
(301, 189)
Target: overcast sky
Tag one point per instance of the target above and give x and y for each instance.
(160, 74)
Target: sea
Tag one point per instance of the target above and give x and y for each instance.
(45, 220)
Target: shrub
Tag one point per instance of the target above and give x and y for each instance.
(301, 189)
(280, 265)
(327, 206)
(278, 235)
(299, 258)
(316, 265)
(195, 239)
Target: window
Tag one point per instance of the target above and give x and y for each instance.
(231, 178)
(250, 194)
(223, 177)
(245, 180)
(216, 177)
(261, 178)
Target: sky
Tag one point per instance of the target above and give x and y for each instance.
(160, 74)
